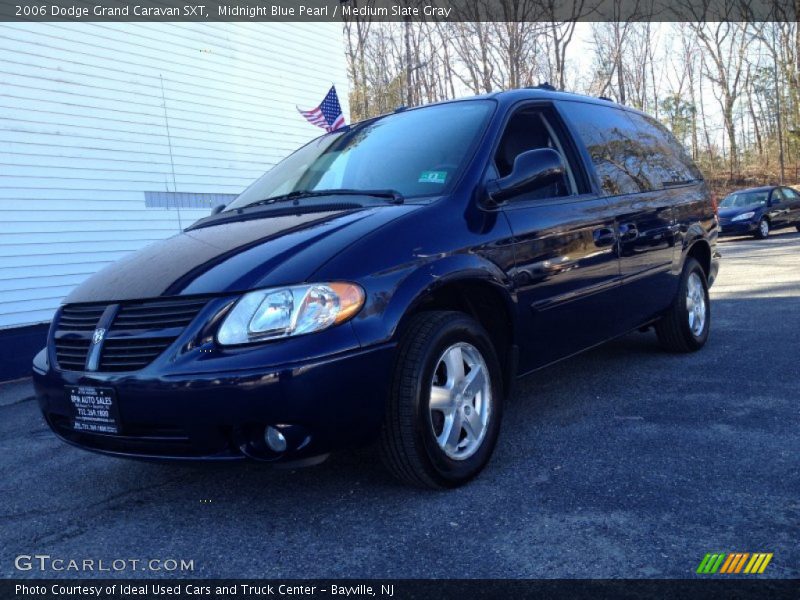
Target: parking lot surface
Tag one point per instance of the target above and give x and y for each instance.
(622, 462)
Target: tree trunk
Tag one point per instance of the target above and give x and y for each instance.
(730, 128)
(409, 91)
(618, 65)
(756, 128)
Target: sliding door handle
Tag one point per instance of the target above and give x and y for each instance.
(604, 237)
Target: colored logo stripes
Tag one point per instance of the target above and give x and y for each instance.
(735, 562)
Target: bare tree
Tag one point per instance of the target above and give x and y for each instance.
(356, 31)
(610, 41)
(560, 34)
(725, 48)
(678, 72)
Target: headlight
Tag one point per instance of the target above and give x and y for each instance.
(744, 216)
(283, 312)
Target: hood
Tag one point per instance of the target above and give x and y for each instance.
(235, 256)
(727, 213)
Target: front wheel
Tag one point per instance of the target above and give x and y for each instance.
(685, 326)
(762, 232)
(444, 409)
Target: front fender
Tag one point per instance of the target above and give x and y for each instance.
(394, 294)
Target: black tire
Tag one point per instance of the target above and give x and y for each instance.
(673, 330)
(797, 227)
(408, 444)
(762, 232)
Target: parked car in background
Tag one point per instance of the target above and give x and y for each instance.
(388, 282)
(757, 211)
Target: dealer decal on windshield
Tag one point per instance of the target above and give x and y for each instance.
(432, 177)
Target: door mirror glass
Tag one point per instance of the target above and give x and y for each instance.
(532, 171)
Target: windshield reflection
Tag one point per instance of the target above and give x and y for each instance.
(417, 152)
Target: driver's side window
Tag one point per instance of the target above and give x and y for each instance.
(530, 130)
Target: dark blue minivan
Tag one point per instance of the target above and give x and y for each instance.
(758, 211)
(387, 283)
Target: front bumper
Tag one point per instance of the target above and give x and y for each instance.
(321, 404)
(728, 228)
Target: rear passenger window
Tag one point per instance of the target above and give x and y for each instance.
(630, 153)
(613, 145)
(667, 159)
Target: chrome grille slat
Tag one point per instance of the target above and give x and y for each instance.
(72, 352)
(155, 317)
(143, 323)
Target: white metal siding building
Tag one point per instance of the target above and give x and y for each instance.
(116, 135)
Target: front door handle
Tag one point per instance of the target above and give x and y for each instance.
(604, 237)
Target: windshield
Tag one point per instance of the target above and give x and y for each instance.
(743, 199)
(419, 152)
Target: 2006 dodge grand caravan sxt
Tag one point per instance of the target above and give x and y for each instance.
(388, 282)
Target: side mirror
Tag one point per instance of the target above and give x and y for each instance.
(217, 209)
(532, 170)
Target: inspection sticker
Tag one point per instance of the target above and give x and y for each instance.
(432, 177)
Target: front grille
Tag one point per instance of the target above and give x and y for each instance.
(144, 330)
(73, 334)
(80, 317)
(138, 333)
(71, 353)
(164, 314)
(131, 354)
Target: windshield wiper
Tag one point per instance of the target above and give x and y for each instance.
(394, 196)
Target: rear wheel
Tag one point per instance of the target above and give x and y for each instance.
(685, 326)
(762, 232)
(444, 409)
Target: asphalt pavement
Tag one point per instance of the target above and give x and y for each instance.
(622, 462)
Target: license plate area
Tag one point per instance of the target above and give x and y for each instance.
(94, 409)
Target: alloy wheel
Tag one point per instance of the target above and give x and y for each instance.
(460, 401)
(696, 304)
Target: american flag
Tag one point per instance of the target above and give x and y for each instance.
(327, 115)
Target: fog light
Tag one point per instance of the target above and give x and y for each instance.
(274, 439)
